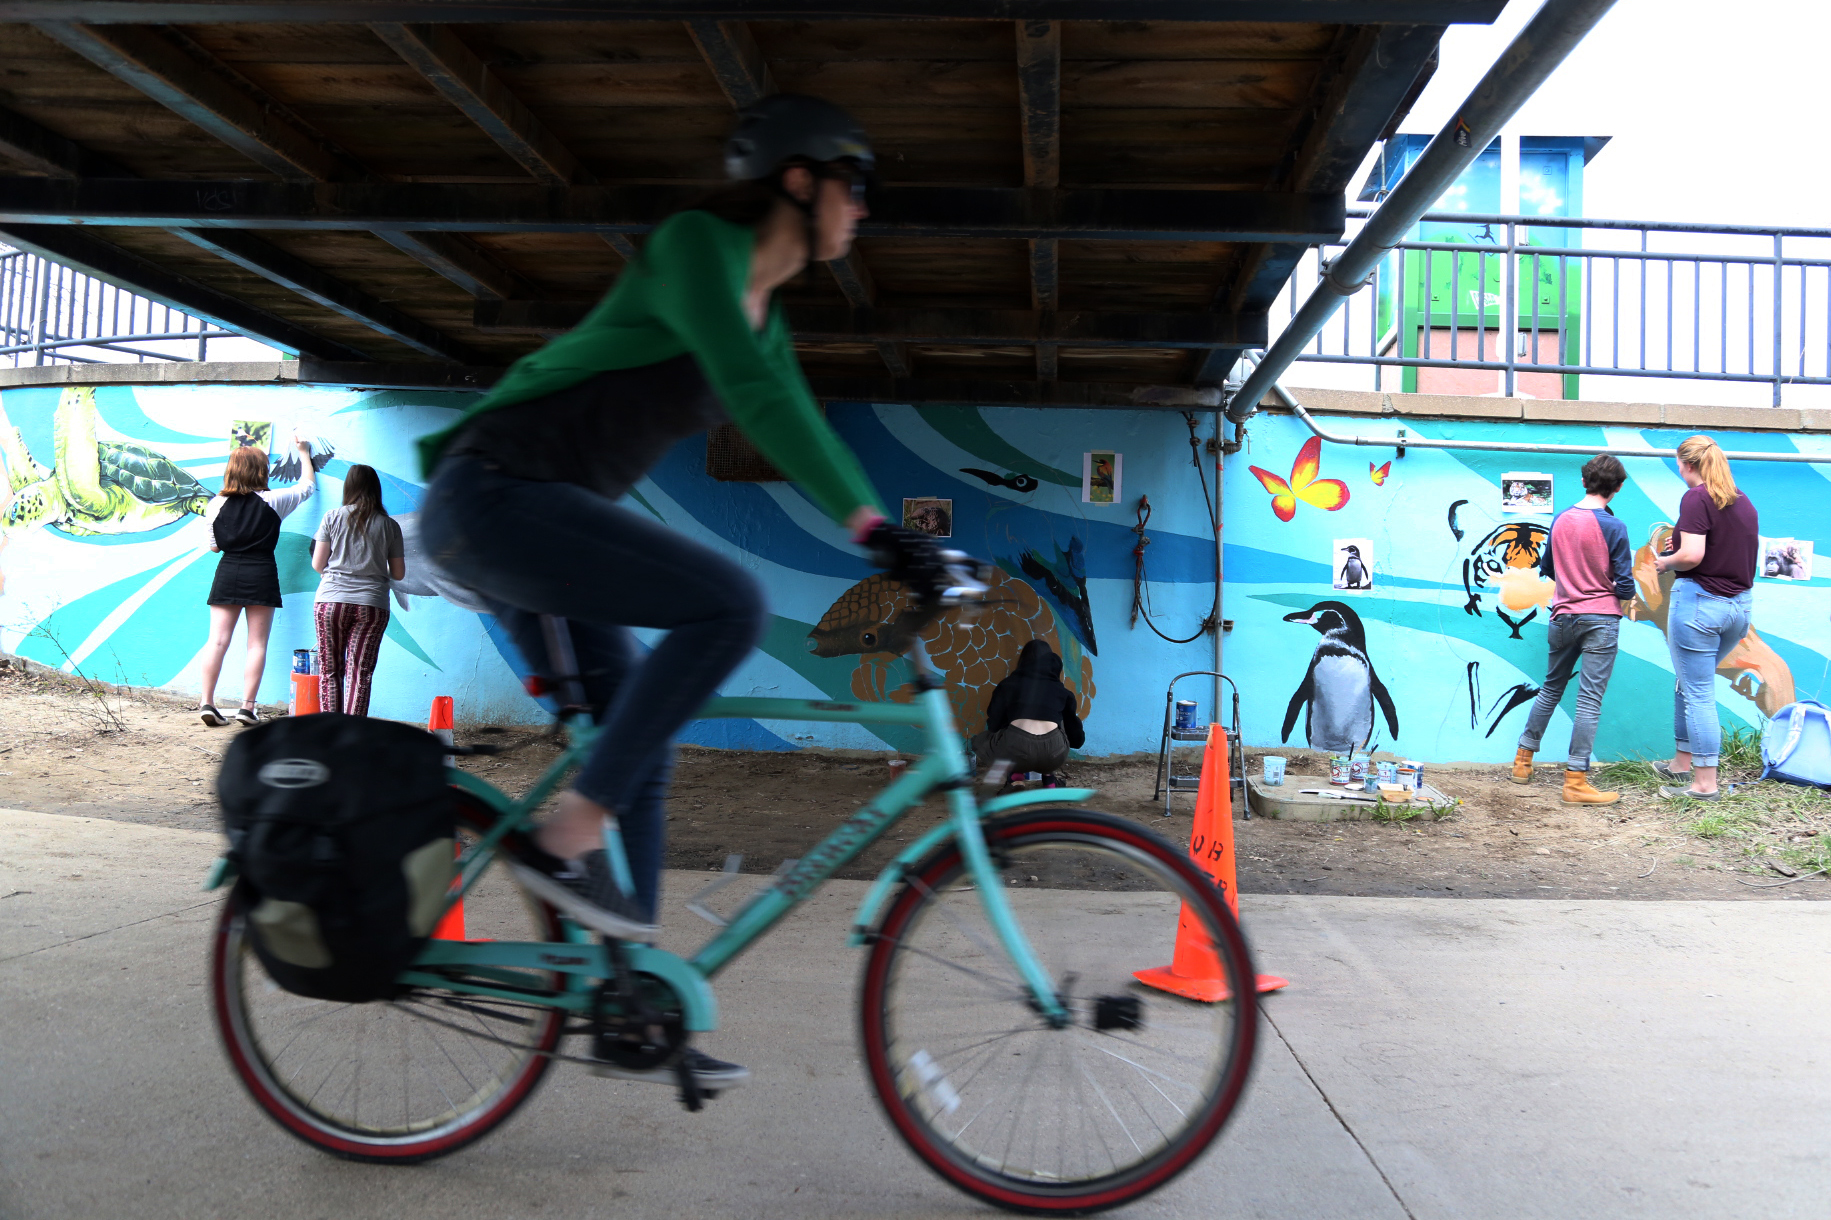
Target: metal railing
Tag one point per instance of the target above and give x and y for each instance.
(50, 314)
(1611, 297)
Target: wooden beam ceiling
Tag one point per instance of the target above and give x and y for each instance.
(293, 12)
(1128, 215)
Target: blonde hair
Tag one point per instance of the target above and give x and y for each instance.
(1702, 453)
(246, 472)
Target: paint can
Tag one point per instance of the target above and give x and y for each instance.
(1185, 714)
(1338, 769)
(1417, 769)
(1388, 772)
(1274, 770)
(1371, 783)
(1357, 769)
(1407, 775)
(301, 660)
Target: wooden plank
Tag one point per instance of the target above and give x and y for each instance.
(43, 151)
(1352, 12)
(942, 327)
(462, 264)
(153, 64)
(326, 290)
(1200, 84)
(464, 80)
(1207, 40)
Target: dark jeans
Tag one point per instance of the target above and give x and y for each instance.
(533, 548)
(1591, 639)
(1026, 751)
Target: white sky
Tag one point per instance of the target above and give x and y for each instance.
(1716, 113)
(1717, 109)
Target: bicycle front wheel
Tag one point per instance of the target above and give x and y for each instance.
(1012, 1110)
(394, 1081)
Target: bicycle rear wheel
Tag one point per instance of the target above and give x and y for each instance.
(391, 1081)
(1038, 1119)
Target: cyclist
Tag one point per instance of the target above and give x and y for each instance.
(523, 504)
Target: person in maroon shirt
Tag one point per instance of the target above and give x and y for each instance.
(1715, 548)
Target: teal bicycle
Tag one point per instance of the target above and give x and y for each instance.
(1002, 1029)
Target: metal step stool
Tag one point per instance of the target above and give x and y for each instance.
(1168, 782)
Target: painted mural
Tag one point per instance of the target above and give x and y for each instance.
(105, 569)
(1449, 643)
(1433, 647)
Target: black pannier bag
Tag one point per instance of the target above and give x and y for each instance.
(342, 830)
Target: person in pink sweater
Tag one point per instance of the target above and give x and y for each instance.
(1588, 559)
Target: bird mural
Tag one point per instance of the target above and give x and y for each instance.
(1354, 572)
(973, 657)
(1340, 687)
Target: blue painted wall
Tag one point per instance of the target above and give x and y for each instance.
(127, 603)
(1450, 661)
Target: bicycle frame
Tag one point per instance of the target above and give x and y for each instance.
(497, 968)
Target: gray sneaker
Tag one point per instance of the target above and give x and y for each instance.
(1683, 793)
(709, 1073)
(1664, 770)
(584, 889)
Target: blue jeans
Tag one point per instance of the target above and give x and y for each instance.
(532, 548)
(1701, 629)
(1591, 639)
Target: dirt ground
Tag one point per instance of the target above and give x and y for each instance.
(141, 756)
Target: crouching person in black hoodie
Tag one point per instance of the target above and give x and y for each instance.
(1030, 721)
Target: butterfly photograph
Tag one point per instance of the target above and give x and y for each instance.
(1326, 494)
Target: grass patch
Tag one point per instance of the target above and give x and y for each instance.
(1393, 814)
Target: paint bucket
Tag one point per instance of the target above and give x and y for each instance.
(1370, 783)
(1185, 714)
(897, 764)
(304, 696)
(1408, 776)
(1388, 772)
(1274, 770)
(1417, 769)
(302, 660)
(1338, 769)
(1357, 769)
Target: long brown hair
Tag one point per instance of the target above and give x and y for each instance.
(362, 496)
(246, 472)
(1702, 452)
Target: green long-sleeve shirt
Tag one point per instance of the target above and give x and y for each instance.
(684, 296)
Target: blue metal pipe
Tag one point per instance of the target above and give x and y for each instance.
(1551, 35)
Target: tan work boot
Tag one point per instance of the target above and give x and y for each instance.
(1578, 791)
(1522, 767)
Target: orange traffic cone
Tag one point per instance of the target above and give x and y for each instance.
(1194, 970)
(451, 924)
(438, 723)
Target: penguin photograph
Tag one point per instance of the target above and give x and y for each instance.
(1353, 563)
(1340, 687)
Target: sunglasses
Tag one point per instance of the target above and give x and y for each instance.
(857, 182)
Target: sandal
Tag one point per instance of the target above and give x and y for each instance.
(212, 717)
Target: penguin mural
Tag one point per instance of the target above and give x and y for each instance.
(1340, 685)
(1354, 572)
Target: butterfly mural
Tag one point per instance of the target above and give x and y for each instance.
(1378, 473)
(1326, 494)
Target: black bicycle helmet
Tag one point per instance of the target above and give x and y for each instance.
(789, 126)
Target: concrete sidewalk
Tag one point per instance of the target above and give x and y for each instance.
(1433, 1058)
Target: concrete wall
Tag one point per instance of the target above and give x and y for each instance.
(1460, 663)
(121, 593)
(119, 590)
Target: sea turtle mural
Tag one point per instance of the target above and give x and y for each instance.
(95, 486)
(972, 656)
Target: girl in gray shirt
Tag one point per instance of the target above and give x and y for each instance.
(359, 550)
